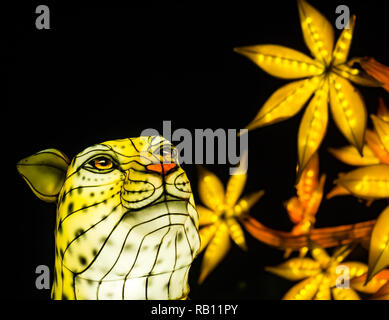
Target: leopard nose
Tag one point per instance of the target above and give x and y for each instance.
(161, 168)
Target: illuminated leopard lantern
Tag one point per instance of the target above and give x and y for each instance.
(126, 224)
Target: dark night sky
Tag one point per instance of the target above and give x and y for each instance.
(106, 72)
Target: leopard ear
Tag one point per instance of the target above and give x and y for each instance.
(45, 173)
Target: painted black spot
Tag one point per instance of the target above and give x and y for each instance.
(79, 232)
(82, 260)
(79, 190)
(102, 192)
(83, 177)
(94, 252)
(92, 194)
(180, 236)
(128, 246)
(70, 207)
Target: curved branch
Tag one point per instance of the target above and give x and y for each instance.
(325, 237)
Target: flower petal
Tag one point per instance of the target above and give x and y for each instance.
(318, 32)
(285, 102)
(351, 156)
(379, 245)
(375, 144)
(348, 110)
(343, 44)
(356, 269)
(383, 111)
(337, 191)
(375, 284)
(206, 216)
(324, 291)
(245, 204)
(355, 75)
(345, 294)
(341, 252)
(382, 294)
(236, 184)
(313, 127)
(370, 182)
(206, 234)
(377, 70)
(295, 209)
(282, 62)
(304, 290)
(382, 129)
(236, 233)
(315, 201)
(296, 268)
(320, 255)
(216, 251)
(308, 180)
(211, 190)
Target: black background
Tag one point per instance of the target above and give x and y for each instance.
(108, 71)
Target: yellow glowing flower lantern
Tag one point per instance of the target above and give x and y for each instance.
(372, 180)
(320, 275)
(219, 220)
(326, 77)
(302, 209)
(379, 245)
(374, 285)
(377, 70)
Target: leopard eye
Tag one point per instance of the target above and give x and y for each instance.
(102, 163)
